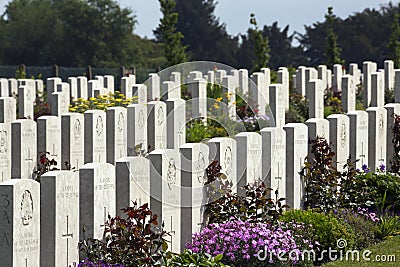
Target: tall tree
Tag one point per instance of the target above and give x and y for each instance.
(260, 45)
(332, 50)
(67, 32)
(206, 37)
(170, 37)
(394, 41)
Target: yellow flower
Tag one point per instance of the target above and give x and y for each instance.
(219, 99)
(92, 99)
(216, 106)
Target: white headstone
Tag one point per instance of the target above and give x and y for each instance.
(20, 223)
(153, 87)
(176, 78)
(13, 86)
(337, 77)
(359, 137)
(5, 151)
(194, 161)
(377, 122)
(116, 133)
(322, 75)
(283, 78)
(72, 141)
(389, 74)
(23, 148)
(169, 89)
(368, 69)
(315, 96)
(248, 164)
(355, 72)
(109, 83)
(136, 128)
(49, 138)
(377, 90)
(267, 77)
(274, 159)
(93, 88)
(391, 110)
(51, 84)
(26, 97)
(317, 128)
(224, 150)
(59, 209)
(82, 87)
(95, 136)
(296, 152)
(4, 90)
(277, 104)
(8, 109)
(156, 125)
(301, 80)
(140, 91)
(348, 93)
(244, 81)
(165, 192)
(219, 74)
(132, 181)
(176, 122)
(96, 198)
(199, 98)
(339, 131)
(73, 86)
(259, 93)
(60, 103)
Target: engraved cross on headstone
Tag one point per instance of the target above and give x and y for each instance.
(29, 156)
(67, 236)
(54, 151)
(171, 231)
(382, 160)
(279, 178)
(362, 156)
(105, 217)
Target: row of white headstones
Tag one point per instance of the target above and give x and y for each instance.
(42, 223)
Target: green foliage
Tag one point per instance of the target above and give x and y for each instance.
(260, 45)
(102, 102)
(364, 229)
(332, 50)
(385, 189)
(388, 226)
(41, 107)
(174, 51)
(327, 228)
(394, 41)
(189, 259)
(69, 33)
(132, 240)
(197, 130)
(255, 205)
(206, 37)
(298, 108)
(395, 161)
(332, 103)
(320, 177)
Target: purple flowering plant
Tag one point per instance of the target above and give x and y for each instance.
(245, 243)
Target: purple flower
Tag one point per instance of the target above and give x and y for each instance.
(365, 168)
(382, 167)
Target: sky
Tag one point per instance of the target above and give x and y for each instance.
(236, 13)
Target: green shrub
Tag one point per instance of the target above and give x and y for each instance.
(134, 239)
(188, 259)
(328, 229)
(363, 228)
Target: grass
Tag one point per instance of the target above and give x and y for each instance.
(387, 248)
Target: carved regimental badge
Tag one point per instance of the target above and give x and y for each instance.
(141, 119)
(77, 130)
(343, 135)
(121, 122)
(99, 125)
(171, 173)
(3, 141)
(26, 208)
(200, 168)
(380, 125)
(160, 116)
(228, 160)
